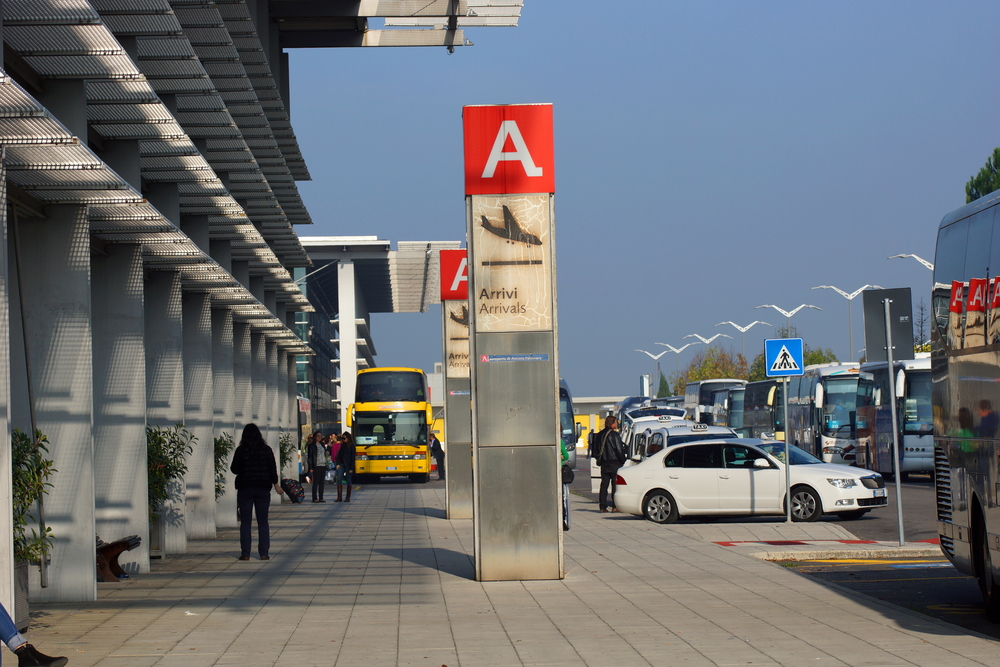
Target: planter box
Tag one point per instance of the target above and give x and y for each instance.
(21, 616)
(157, 535)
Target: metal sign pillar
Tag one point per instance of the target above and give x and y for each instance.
(457, 392)
(509, 183)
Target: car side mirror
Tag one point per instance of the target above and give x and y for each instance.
(761, 463)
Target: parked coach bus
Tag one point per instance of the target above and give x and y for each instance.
(698, 397)
(822, 405)
(390, 418)
(912, 380)
(965, 380)
(763, 410)
(727, 409)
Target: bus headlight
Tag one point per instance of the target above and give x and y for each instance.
(420, 457)
(843, 483)
(833, 450)
(362, 457)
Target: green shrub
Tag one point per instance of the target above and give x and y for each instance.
(167, 450)
(29, 472)
(224, 445)
(285, 446)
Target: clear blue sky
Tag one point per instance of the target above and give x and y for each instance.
(710, 157)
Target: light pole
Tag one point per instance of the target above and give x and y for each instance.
(788, 314)
(656, 358)
(677, 351)
(850, 310)
(923, 261)
(743, 332)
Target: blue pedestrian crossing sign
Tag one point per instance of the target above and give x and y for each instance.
(783, 357)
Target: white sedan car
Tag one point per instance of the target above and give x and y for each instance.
(743, 476)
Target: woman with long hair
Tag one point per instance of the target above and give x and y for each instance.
(256, 472)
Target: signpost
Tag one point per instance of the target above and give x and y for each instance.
(510, 203)
(784, 358)
(457, 391)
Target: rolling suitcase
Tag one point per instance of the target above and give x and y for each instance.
(293, 489)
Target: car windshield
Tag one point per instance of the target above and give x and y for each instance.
(799, 457)
(692, 437)
(657, 411)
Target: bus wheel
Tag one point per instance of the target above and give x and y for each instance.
(420, 478)
(806, 505)
(983, 565)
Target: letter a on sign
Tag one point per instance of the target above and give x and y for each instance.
(508, 149)
(454, 275)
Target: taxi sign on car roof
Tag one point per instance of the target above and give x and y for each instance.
(699, 427)
(666, 418)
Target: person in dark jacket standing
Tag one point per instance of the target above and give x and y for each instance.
(437, 451)
(345, 460)
(256, 472)
(317, 461)
(609, 450)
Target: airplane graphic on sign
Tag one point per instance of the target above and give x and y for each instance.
(783, 357)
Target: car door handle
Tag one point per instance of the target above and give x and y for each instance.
(674, 476)
(723, 476)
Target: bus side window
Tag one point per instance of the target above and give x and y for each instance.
(793, 389)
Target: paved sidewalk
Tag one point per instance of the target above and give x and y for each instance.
(386, 580)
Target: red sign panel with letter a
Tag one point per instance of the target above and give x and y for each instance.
(509, 149)
(454, 275)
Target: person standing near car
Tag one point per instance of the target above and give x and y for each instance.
(609, 450)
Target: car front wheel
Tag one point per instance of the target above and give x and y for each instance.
(806, 505)
(659, 507)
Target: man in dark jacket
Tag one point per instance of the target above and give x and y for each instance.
(609, 450)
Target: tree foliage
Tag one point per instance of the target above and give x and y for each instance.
(709, 363)
(286, 445)
(986, 181)
(224, 446)
(30, 470)
(167, 450)
(664, 389)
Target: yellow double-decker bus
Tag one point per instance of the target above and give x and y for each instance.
(390, 419)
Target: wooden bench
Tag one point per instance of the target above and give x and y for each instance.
(108, 569)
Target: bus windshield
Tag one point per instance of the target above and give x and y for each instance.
(918, 418)
(391, 428)
(840, 404)
(390, 386)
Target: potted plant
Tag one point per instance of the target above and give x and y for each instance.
(30, 470)
(167, 450)
(224, 445)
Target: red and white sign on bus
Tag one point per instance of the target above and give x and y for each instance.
(454, 275)
(509, 149)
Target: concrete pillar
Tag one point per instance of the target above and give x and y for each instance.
(165, 383)
(241, 271)
(165, 198)
(271, 398)
(55, 269)
(270, 302)
(224, 398)
(281, 397)
(221, 251)
(242, 378)
(257, 287)
(258, 379)
(66, 99)
(348, 333)
(120, 483)
(123, 157)
(196, 228)
(198, 415)
(6, 519)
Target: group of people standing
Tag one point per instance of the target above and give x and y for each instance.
(331, 452)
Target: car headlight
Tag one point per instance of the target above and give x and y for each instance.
(843, 483)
